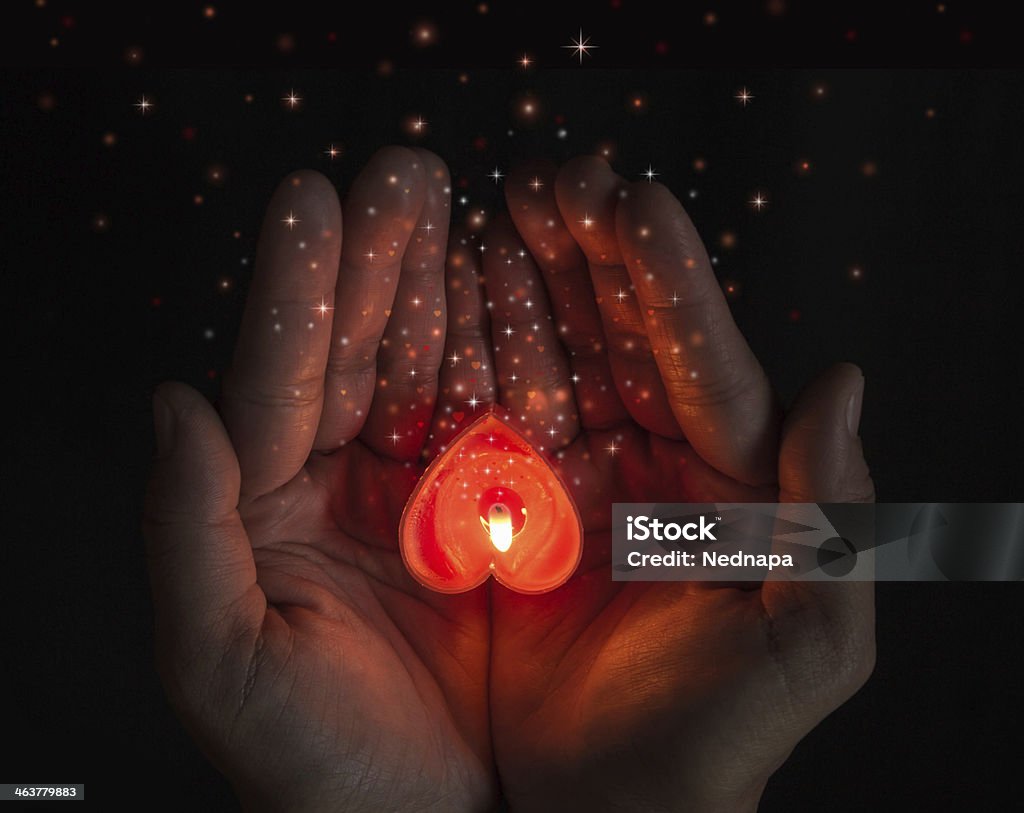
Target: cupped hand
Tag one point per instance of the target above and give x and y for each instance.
(310, 667)
(308, 663)
(611, 335)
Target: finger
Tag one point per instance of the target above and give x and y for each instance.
(200, 561)
(381, 212)
(467, 369)
(532, 370)
(410, 354)
(588, 192)
(718, 391)
(273, 393)
(530, 192)
(826, 629)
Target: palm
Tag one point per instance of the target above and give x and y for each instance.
(346, 629)
(623, 663)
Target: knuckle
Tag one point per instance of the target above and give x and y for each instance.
(298, 394)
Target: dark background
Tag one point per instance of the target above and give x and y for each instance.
(897, 249)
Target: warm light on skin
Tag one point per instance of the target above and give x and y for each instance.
(499, 527)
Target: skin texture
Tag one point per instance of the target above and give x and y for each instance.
(318, 675)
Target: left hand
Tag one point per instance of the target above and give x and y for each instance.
(304, 659)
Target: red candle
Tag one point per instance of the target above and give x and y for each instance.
(491, 505)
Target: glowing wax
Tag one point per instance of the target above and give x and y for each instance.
(491, 505)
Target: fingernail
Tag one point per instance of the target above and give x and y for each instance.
(165, 425)
(853, 408)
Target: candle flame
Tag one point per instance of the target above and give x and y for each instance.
(499, 526)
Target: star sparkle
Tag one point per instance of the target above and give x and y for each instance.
(496, 176)
(650, 174)
(586, 222)
(323, 308)
(536, 184)
(744, 96)
(292, 99)
(290, 220)
(332, 152)
(143, 104)
(759, 201)
(581, 46)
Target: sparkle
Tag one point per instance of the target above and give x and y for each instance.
(612, 448)
(759, 201)
(575, 378)
(454, 358)
(496, 176)
(586, 222)
(292, 99)
(143, 104)
(580, 46)
(508, 331)
(650, 174)
(370, 255)
(528, 303)
(744, 96)
(526, 62)
(323, 308)
(332, 152)
(418, 124)
(675, 299)
(473, 401)
(621, 295)
(536, 184)
(291, 220)
(428, 227)
(415, 301)
(552, 431)
(513, 378)
(394, 437)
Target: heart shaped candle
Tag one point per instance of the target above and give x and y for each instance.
(491, 505)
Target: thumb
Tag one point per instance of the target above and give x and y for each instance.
(825, 630)
(200, 561)
(821, 459)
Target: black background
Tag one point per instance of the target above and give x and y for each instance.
(114, 276)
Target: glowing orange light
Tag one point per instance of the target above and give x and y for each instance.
(499, 526)
(491, 505)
